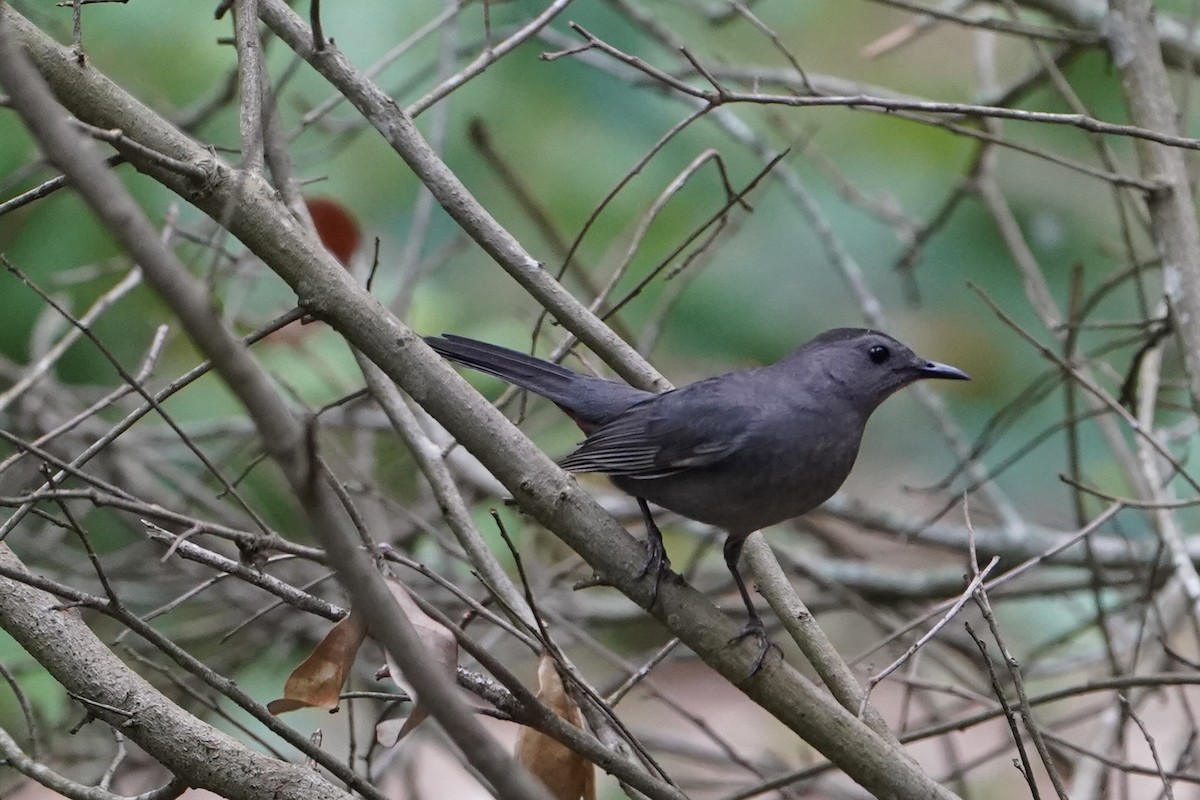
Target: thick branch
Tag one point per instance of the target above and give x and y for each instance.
(201, 755)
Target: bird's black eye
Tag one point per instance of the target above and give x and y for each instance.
(878, 354)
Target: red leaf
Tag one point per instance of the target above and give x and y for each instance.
(336, 227)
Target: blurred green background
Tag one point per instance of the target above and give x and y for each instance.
(572, 129)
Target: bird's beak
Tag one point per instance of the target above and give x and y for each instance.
(933, 369)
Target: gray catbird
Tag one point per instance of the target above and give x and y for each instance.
(740, 451)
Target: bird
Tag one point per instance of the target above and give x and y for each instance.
(739, 451)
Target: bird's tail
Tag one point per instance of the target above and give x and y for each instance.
(588, 400)
(521, 369)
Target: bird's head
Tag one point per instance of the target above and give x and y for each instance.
(866, 366)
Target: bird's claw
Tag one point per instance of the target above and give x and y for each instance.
(754, 628)
(656, 561)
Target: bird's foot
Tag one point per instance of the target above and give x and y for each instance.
(656, 562)
(754, 628)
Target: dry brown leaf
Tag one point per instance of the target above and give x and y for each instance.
(442, 646)
(317, 682)
(388, 732)
(568, 775)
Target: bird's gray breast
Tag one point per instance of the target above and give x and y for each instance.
(790, 457)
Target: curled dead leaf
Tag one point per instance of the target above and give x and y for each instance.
(390, 731)
(317, 682)
(442, 646)
(568, 775)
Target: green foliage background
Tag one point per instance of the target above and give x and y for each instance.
(572, 131)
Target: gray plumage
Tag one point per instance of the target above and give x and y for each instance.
(739, 451)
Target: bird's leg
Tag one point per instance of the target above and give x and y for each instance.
(656, 553)
(754, 626)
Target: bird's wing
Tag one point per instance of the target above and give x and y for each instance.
(696, 426)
